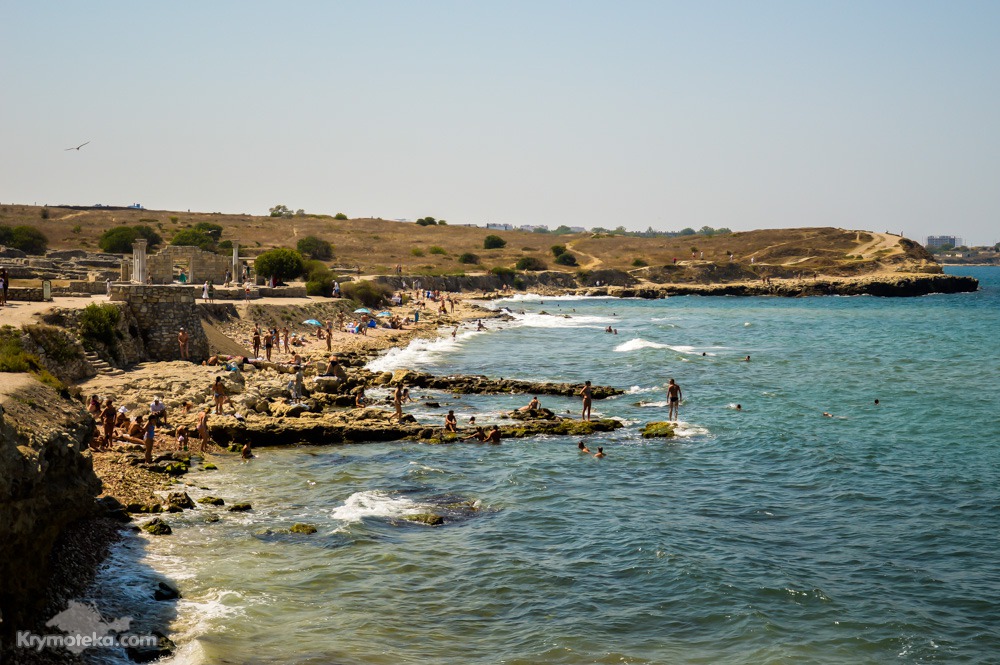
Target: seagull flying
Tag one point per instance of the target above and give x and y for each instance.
(78, 147)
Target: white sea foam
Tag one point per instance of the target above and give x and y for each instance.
(374, 503)
(418, 352)
(687, 430)
(559, 320)
(639, 343)
(638, 390)
(528, 297)
(660, 405)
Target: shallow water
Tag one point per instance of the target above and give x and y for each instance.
(767, 535)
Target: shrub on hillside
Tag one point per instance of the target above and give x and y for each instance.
(315, 248)
(282, 263)
(639, 263)
(437, 250)
(427, 221)
(214, 231)
(119, 239)
(44, 212)
(97, 324)
(566, 259)
(530, 263)
(468, 257)
(494, 242)
(367, 293)
(416, 251)
(194, 238)
(25, 238)
(558, 249)
(341, 216)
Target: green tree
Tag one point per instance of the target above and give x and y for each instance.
(558, 249)
(427, 221)
(367, 293)
(315, 248)
(706, 231)
(280, 211)
(194, 238)
(118, 240)
(25, 238)
(686, 232)
(566, 259)
(341, 216)
(213, 230)
(494, 242)
(283, 263)
(562, 229)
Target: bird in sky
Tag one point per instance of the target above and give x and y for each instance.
(78, 147)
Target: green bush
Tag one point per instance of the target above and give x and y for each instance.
(494, 242)
(501, 271)
(12, 355)
(44, 212)
(468, 257)
(519, 284)
(283, 263)
(427, 221)
(321, 286)
(416, 251)
(97, 324)
(341, 216)
(173, 219)
(25, 238)
(639, 263)
(367, 293)
(437, 250)
(77, 229)
(58, 346)
(224, 247)
(558, 249)
(194, 238)
(530, 263)
(214, 231)
(315, 248)
(119, 239)
(566, 259)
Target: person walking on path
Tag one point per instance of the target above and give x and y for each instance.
(673, 401)
(587, 394)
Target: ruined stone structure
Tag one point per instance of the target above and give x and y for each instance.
(161, 311)
(159, 268)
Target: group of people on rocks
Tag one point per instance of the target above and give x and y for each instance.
(114, 424)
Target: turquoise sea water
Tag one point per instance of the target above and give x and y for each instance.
(767, 535)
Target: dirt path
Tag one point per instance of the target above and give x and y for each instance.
(880, 242)
(594, 261)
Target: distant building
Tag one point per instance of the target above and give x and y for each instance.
(940, 241)
(533, 227)
(500, 227)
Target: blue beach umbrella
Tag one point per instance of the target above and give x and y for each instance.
(312, 322)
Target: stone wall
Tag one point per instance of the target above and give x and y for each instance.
(25, 293)
(161, 311)
(199, 264)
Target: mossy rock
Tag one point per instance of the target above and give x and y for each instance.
(210, 467)
(657, 430)
(144, 508)
(306, 529)
(176, 469)
(430, 519)
(179, 500)
(235, 448)
(157, 527)
(212, 501)
(240, 507)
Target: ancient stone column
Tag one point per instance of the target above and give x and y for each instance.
(139, 261)
(236, 262)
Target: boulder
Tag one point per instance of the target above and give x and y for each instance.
(180, 500)
(303, 528)
(157, 527)
(532, 414)
(211, 501)
(240, 507)
(430, 519)
(147, 654)
(658, 430)
(164, 591)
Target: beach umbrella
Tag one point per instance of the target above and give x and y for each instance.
(312, 322)
(362, 310)
(384, 314)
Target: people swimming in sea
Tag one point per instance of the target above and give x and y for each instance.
(246, 453)
(494, 436)
(479, 435)
(583, 447)
(876, 401)
(739, 407)
(600, 453)
(747, 359)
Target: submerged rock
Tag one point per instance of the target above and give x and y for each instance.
(179, 500)
(212, 501)
(430, 519)
(157, 527)
(306, 529)
(658, 430)
(240, 507)
(164, 591)
(147, 654)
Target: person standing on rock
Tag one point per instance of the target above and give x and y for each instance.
(182, 341)
(397, 401)
(149, 438)
(202, 428)
(268, 343)
(108, 415)
(256, 340)
(673, 401)
(219, 393)
(329, 335)
(587, 393)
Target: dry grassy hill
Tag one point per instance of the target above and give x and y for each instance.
(376, 245)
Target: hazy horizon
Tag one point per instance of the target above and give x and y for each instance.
(876, 116)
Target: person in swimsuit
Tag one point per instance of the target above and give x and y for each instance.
(203, 429)
(149, 438)
(268, 343)
(600, 453)
(494, 436)
(673, 400)
(583, 447)
(533, 405)
(219, 393)
(450, 422)
(256, 341)
(108, 415)
(587, 394)
(479, 435)
(182, 341)
(397, 402)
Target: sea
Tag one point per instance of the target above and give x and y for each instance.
(791, 520)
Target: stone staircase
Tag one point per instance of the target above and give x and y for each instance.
(101, 366)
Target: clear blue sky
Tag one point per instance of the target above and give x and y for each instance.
(874, 115)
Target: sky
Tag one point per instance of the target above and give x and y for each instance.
(876, 114)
